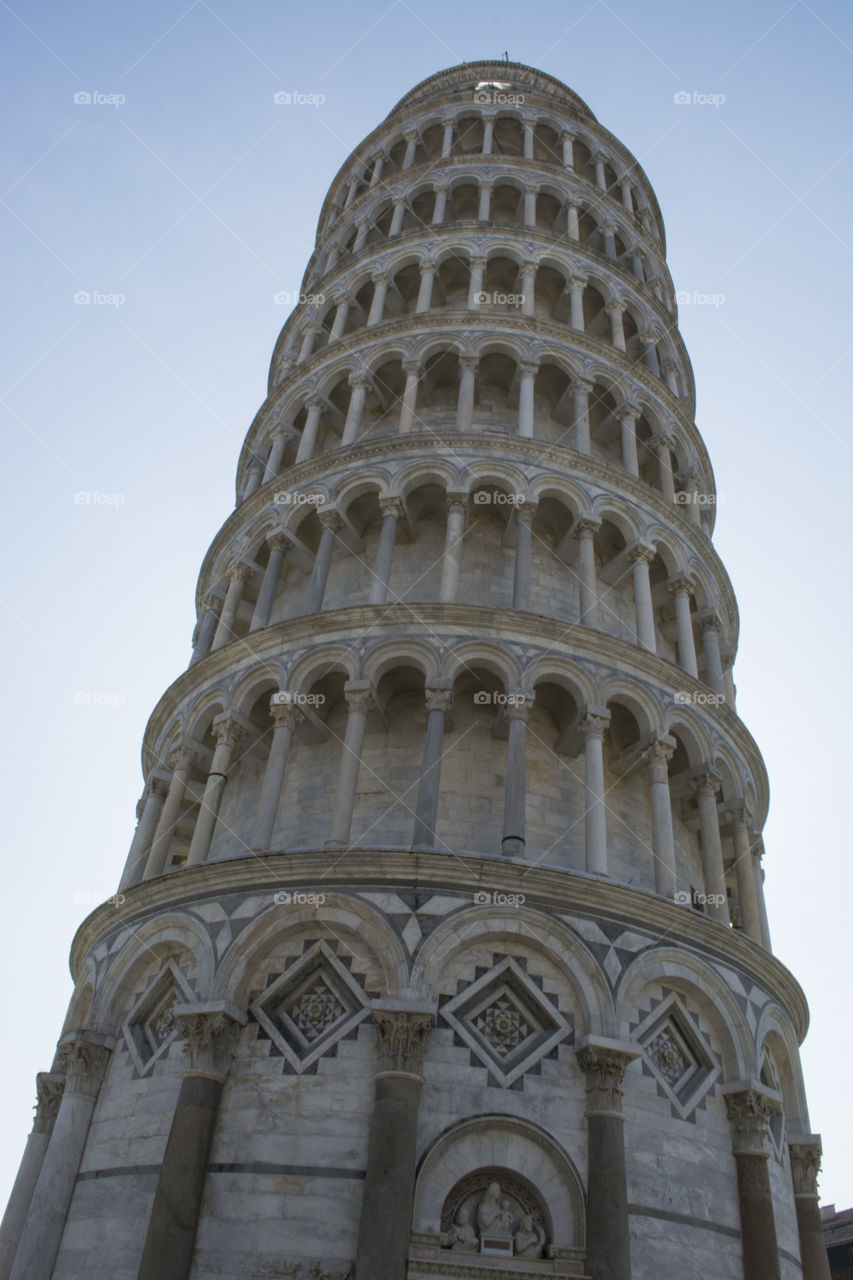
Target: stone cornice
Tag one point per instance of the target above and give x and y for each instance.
(509, 447)
(546, 889)
(557, 636)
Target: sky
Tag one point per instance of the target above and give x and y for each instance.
(145, 164)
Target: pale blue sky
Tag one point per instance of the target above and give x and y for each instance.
(196, 200)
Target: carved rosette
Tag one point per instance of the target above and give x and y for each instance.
(805, 1167)
(604, 1070)
(210, 1040)
(84, 1063)
(401, 1037)
(49, 1089)
(749, 1113)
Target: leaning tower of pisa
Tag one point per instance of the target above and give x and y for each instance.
(440, 949)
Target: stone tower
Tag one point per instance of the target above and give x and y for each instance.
(440, 950)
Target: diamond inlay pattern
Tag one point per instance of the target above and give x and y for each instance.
(504, 1025)
(315, 1010)
(668, 1058)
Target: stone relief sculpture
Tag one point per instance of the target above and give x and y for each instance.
(462, 1235)
(494, 1218)
(489, 1210)
(529, 1238)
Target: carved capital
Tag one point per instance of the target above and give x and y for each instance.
(50, 1086)
(749, 1111)
(458, 503)
(525, 512)
(359, 697)
(84, 1063)
(519, 703)
(586, 528)
(183, 758)
(679, 587)
(641, 554)
(227, 731)
(660, 753)
(358, 378)
(578, 282)
(331, 519)
(528, 368)
(594, 723)
(616, 306)
(279, 542)
(391, 507)
(401, 1036)
(582, 387)
(157, 787)
(286, 714)
(707, 620)
(210, 1034)
(706, 782)
(438, 699)
(738, 815)
(805, 1167)
(629, 413)
(604, 1069)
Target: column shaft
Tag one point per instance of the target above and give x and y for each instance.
(426, 810)
(279, 546)
(343, 804)
(465, 401)
(228, 732)
(206, 632)
(585, 534)
(457, 511)
(515, 787)
(392, 510)
(663, 843)
(712, 850)
(286, 718)
(595, 818)
(523, 568)
(308, 440)
(169, 815)
(49, 1089)
(643, 599)
(143, 836)
(322, 562)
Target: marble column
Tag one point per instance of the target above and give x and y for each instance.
(530, 207)
(352, 190)
(527, 371)
(409, 401)
(748, 899)
(581, 391)
(710, 627)
(465, 402)
(224, 630)
(488, 135)
(527, 143)
(457, 514)
(517, 710)
(439, 700)
(593, 726)
(153, 799)
(577, 284)
(309, 337)
(568, 144)
(359, 384)
(424, 301)
(475, 287)
(381, 283)
(286, 717)
(670, 377)
(385, 1226)
(228, 733)
(757, 854)
(308, 439)
(573, 221)
(439, 209)
(641, 557)
(49, 1087)
(411, 140)
(628, 416)
(522, 583)
(625, 191)
(447, 139)
(616, 310)
(397, 217)
(280, 437)
(749, 1111)
(660, 802)
(650, 352)
(484, 203)
(359, 698)
(585, 531)
(253, 478)
(392, 511)
(83, 1058)
(210, 1033)
(182, 762)
(528, 288)
(608, 1250)
(706, 784)
(362, 227)
(805, 1166)
(332, 524)
(279, 545)
(340, 321)
(680, 590)
(207, 629)
(378, 165)
(600, 176)
(609, 233)
(662, 444)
